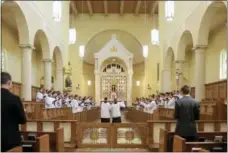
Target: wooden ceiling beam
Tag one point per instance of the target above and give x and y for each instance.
(137, 7)
(90, 7)
(121, 7)
(74, 8)
(105, 7)
(154, 8)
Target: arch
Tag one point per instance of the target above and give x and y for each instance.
(114, 30)
(127, 39)
(170, 56)
(42, 39)
(208, 19)
(11, 10)
(110, 61)
(186, 40)
(57, 55)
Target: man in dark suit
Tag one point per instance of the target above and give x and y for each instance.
(187, 110)
(12, 115)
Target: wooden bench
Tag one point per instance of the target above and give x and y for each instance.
(16, 149)
(40, 144)
(56, 138)
(165, 141)
(180, 144)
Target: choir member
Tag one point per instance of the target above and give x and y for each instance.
(105, 111)
(115, 109)
(39, 95)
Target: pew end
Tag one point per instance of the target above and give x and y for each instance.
(16, 149)
(178, 144)
(42, 144)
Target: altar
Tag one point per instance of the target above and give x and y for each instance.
(113, 72)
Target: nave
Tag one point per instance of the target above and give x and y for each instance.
(73, 54)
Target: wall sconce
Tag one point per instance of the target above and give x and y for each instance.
(89, 82)
(137, 83)
(148, 87)
(78, 87)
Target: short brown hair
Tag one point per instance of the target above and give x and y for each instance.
(185, 89)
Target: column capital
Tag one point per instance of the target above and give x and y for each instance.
(180, 61)
(29, 46)
(197, 47)
(47, 60)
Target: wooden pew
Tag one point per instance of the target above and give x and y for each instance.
(16, 149)
(180, 144)
(165, 138)
(154, 127)
(56, 138)
(41, 144)
(70, 126)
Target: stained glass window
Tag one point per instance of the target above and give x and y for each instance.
(57, 10)
(223, 64)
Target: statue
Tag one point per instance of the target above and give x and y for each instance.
(113, 93)
(68, 82)
(67, 76)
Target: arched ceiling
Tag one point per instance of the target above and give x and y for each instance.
(99, 40)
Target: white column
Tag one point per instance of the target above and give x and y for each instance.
(199, 72)
(47, 73)
(129, 89)
(180, 70)
(26, 72)
(59, 79)
(97, 88)
(166, 80)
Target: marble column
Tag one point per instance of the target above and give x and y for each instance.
(97, 88)
(180, 75)
(166, 80)
(199, 72)
(47, 73)
(129, 89)
(26, 72)
(59, 79)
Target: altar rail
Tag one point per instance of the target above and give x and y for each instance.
(115, 135)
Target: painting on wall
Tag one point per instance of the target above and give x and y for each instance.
(68, 78)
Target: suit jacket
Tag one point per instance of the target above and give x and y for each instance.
(12, 115)
(187, 110)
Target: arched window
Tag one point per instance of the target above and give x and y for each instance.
(57, 10)
(3, 60)
(169, 10)
(223, 64)
(72, 35)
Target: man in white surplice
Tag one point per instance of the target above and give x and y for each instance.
(115, 109)
(39, 95)
(105, 111)
(74, 103)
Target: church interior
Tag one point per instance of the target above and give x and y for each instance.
(129, 50)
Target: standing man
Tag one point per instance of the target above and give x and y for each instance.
(187, 111)
(12, 115)
(115, 108)
(105, 111)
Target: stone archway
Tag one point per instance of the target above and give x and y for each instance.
(58, 69)
(14, 19)
(41, 44)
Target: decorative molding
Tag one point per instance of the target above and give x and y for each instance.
(26, 46)
(180, 61)
(47, 60)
